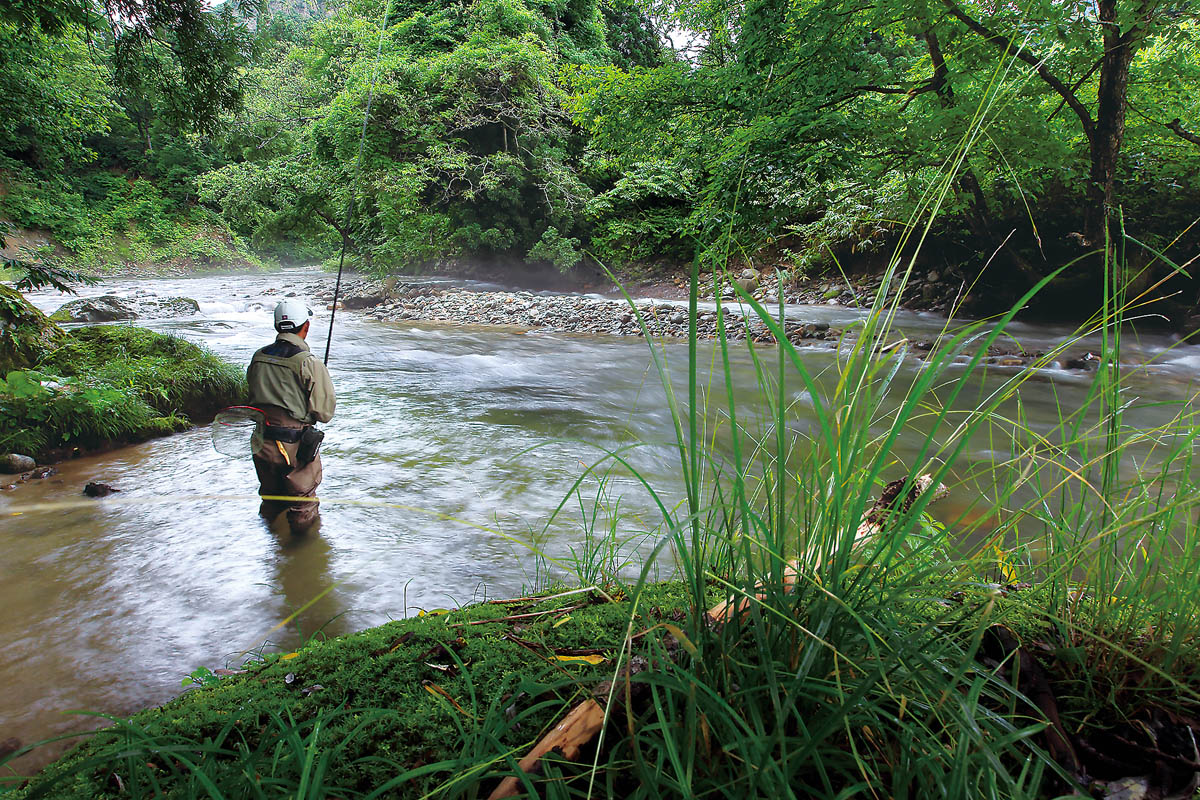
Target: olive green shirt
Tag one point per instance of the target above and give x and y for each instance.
(288, 375)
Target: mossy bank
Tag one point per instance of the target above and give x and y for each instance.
(444, 704)
(100, 387)
(440, 702)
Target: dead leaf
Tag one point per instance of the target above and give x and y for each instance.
(593, 659)
(438, 691)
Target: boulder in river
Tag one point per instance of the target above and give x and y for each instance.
(99, 490)
(356, 302)
(106, 308)
(111, 308)
(1087, 361)
(167, 307)
(14, 463)
(748, 280)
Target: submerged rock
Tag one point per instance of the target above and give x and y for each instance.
(15, 463)
(99, 490)
(167, 307)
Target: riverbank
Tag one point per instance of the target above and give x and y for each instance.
(447, 702)
(104, 387)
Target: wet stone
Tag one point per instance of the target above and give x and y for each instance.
(106, 308)
(15, 463)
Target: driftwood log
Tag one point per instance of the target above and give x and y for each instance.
(578, 728)
(1026, 674)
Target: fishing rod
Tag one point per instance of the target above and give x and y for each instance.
(337, 288)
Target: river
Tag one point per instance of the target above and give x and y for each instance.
(110, 604)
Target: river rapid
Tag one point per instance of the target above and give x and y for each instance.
(451, 446)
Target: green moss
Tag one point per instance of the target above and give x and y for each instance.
(110, 384)
(434, 696)
(25, 333)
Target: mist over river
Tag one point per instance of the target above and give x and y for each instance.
(110, 604)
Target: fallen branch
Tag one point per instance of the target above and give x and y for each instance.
(517, 617)
(568, 737)
(1002, 644)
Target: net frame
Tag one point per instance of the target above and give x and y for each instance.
(228, 440)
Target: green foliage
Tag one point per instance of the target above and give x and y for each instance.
(57, 76)
(185, 51)
(88, 109)
(26, 335)
(469, 149)
(112, 384)
(825, 119)
(108, 221)
(557, 250)
(645, 216)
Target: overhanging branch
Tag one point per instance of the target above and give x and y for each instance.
(1007, 45)
(1176, 126)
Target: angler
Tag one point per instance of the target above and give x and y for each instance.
(291, 385)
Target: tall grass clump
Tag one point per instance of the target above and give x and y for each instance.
(873, 661)
(886, 659)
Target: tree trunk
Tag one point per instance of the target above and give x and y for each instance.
(1109, 132)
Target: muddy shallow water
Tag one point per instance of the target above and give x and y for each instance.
(110, 604)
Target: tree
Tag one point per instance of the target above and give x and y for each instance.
(1072, 45)
(469, 148)
(190, 55)
(53, 96)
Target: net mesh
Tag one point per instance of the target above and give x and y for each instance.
(238, 431)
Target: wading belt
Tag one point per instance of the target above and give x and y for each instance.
(282, 434)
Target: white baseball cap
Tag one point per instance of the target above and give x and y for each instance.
(290, 315)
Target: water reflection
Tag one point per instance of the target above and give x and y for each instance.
(300, 565)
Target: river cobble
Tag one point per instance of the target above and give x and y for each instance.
(567, 313)
(395, 301)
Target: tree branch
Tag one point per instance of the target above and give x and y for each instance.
(1075, 88)
(1176, 126)
(1008, 45)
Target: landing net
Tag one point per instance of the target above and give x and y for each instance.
(237, 431)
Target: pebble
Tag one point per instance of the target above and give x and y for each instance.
(394, 301)
(562, 313)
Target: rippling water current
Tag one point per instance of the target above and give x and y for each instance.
(110, 604)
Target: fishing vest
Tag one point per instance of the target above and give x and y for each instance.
(275, 378)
